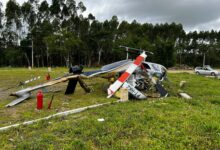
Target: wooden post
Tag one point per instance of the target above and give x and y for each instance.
(124, 94)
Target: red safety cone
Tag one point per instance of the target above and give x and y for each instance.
(47, 77)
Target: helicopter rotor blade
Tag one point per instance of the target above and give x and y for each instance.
(136, 49)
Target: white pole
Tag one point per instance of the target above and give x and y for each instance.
(32, 53)
(65, 113)
(204, 60)
(127, 52)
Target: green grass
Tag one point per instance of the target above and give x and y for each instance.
(169, 123)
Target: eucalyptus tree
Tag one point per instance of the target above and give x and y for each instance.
(164, 53)
(55, 8)
(62, 44)
(2, 42)
(1, 16)
(43, 11)
(107, 39)
(13, 22)
(91, 41)
(29, 13)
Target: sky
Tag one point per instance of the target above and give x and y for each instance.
(192, 14)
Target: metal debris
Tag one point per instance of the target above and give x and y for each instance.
(182, 84)
(185, 95)
(101, 119)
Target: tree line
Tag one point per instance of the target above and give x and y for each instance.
(60, 35)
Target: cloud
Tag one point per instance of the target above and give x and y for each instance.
(193, 14)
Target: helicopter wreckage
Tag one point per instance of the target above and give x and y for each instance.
(138, 76)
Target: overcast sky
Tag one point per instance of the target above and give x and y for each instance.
(192, 14)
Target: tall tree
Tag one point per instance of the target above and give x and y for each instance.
(1, 15)
(13, 22)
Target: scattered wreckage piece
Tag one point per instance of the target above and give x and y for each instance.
(185, 95)
(101, 120)
(60, 114)
(181, 93)
(21, 83)
(182, 84)
(161, 90)
(159, 87)
(30, 80)
(21, 98)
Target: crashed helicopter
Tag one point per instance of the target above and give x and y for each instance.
(137, 76)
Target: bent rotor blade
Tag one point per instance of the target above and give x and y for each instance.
(22, 98)
(50, 83)
(25, 93)
(124, 77)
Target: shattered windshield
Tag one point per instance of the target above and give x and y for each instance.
(156, 67)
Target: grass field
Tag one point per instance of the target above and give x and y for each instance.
(169, 123)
